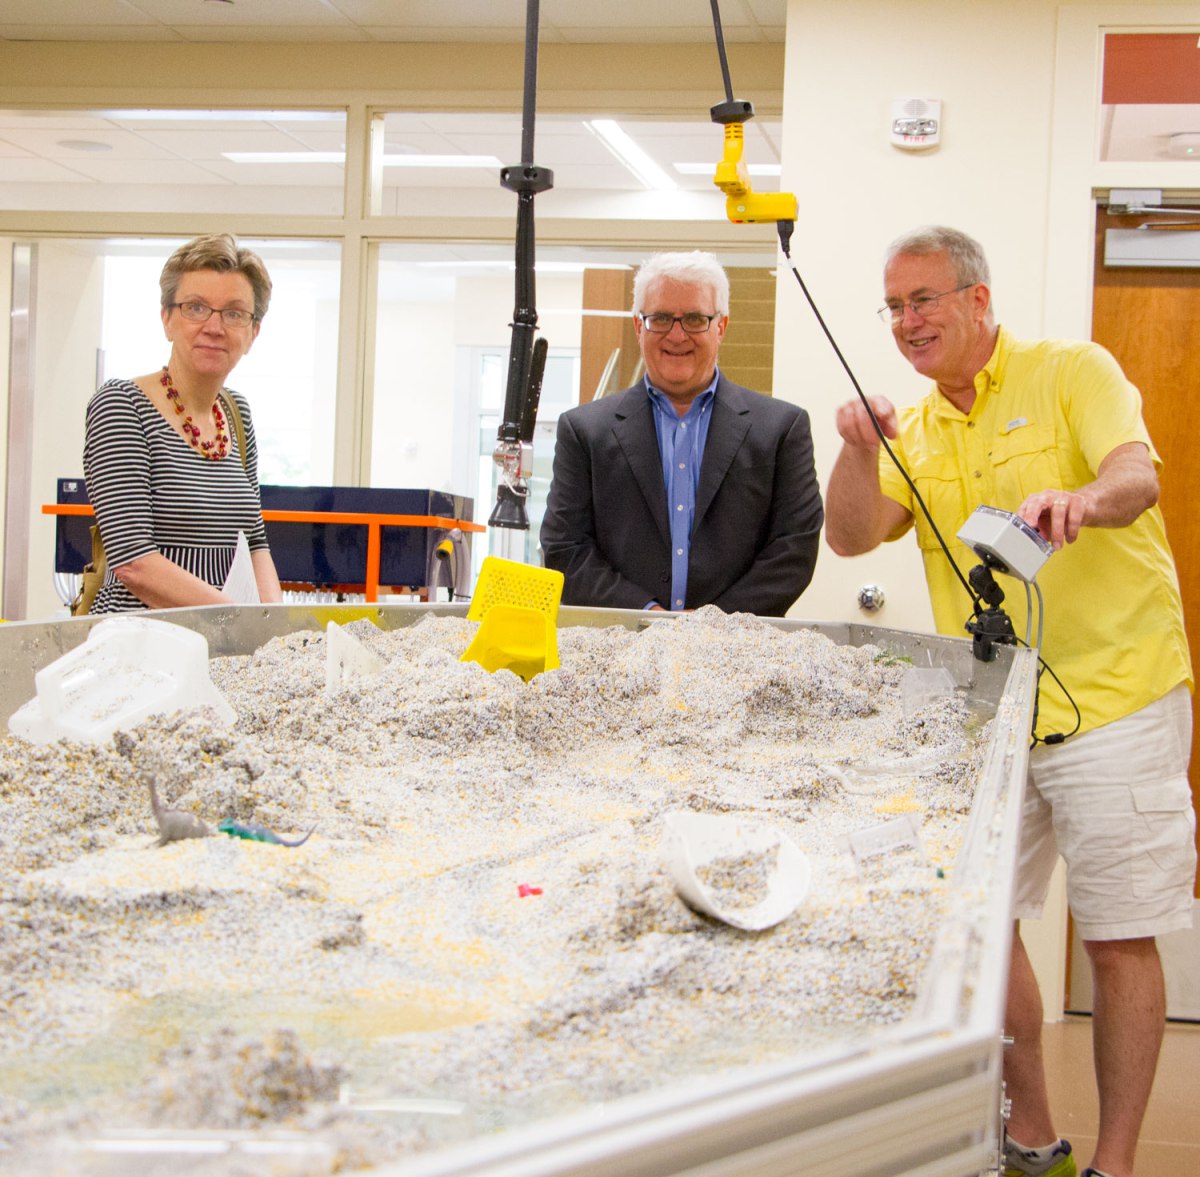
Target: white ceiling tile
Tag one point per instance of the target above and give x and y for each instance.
(323, 140)
(123, 33)
(768, 12)
(443, 14)
(651, 34)
(46, 122)
(454, 34)
(459, 179)
(1142, 131)
(37, 171)
(144, 172)
(59, 144)
(282, 13)
(206, 144)
(272, 175)
(269, 34)
(63, 14)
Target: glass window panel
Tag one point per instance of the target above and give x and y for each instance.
(450, 162)
(289, 375)
(443, 333)
(1150, 100)
(96, 315)
(213, 161)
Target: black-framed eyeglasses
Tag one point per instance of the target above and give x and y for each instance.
(201, 312)
(923, 304)
(694, 322)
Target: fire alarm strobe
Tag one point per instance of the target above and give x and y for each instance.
(1004, 541)
(916, 123)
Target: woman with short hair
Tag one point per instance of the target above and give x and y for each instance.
(170, 458)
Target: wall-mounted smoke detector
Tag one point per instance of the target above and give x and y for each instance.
(1184, 145)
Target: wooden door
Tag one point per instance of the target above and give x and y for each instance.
(1149, 318)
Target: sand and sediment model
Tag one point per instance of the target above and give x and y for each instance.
(480, 930)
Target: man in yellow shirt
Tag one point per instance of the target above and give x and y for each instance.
(1052, 431)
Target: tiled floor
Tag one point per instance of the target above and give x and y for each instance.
(1170, 1141)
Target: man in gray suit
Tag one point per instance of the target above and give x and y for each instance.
(685, 490)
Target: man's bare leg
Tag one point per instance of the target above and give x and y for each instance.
(1024, 1074)
(1128, 1018)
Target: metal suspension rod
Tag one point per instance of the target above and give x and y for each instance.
(526, 359)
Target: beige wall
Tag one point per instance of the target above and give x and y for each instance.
(988, 177)
(1019, 86)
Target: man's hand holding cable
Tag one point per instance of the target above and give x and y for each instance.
(856, 427)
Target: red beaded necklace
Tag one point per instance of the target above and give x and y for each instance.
(213, 450)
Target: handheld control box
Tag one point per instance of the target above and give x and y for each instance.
(1004, 541)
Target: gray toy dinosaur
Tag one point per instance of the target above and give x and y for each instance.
(173, 824)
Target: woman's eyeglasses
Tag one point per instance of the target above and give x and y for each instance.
(200, 312)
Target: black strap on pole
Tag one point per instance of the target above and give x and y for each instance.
(732, 110)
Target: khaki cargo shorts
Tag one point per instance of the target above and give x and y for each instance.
(1116, 804)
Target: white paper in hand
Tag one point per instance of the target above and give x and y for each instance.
(240, 585)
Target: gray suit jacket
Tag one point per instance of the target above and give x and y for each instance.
(758, 506)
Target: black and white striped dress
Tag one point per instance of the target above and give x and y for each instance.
(152, 492)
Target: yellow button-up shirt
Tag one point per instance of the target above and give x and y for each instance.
(1045, 416)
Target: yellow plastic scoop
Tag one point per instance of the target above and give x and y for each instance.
(516, 606)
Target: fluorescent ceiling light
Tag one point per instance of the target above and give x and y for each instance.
(631, 155)
(703, 169)
(389, 161)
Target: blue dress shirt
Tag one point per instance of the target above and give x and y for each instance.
(681, 447)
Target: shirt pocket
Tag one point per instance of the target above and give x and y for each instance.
(939, 485)
(1024, 460)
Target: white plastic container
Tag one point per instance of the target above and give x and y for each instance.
(346, 659)
(128, 669)
(692, 841)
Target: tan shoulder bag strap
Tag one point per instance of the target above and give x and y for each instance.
(235, 417)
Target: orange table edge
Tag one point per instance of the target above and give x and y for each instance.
(372, 522)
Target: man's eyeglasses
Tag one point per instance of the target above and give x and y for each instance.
(923, 304)
(694, 323)
(199, 312)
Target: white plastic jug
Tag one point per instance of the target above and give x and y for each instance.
(128, 669)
